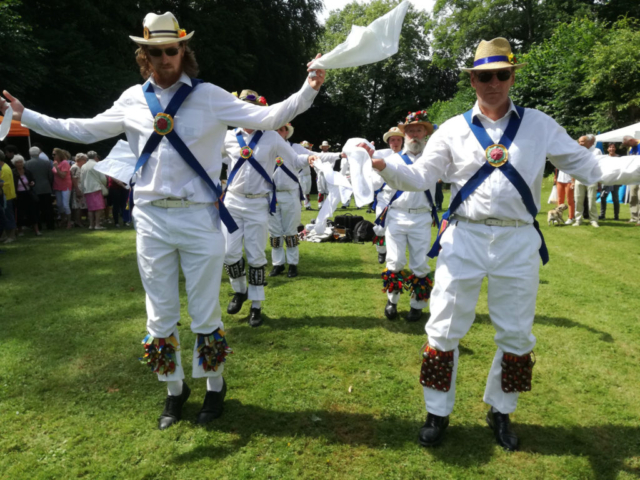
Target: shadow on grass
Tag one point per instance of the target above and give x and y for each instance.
(607, 447)
(557, 322)
(353, 322)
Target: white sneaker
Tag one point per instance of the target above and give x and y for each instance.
(569, 221)
(594, 224)
(577, 224)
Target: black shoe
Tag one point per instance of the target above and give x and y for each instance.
(276, 270)
(501, 426)
(344, 207)
(293, 271)
(213, 405)
(308, 208)
(382, 257)
(172, 412)
(391, 310)
(601, 217)
(414, 315)
(235, 305)
(432, 432)
(369, 210)
(255, 319)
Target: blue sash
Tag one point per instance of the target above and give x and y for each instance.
(154, 140)
(290, 174)
(254, 163)
(487, 169)
(375, 196)
(381, 220)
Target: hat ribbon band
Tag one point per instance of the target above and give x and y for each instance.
(154, 32)
(493, 59)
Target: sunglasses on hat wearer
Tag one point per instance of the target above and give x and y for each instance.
(157, 52)
(485, 77)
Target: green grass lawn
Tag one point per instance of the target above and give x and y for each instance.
(327, 387)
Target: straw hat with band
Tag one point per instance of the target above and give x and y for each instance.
(250, 96)
(161, 30)
(325, 144)
(493, 55)
(307, 145)
(289, 130)
(417, 118)
(393, 132)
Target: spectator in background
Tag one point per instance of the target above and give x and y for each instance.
(634, 190)
(10, 151)
(118, 193)
(9, 190)
(613, 189)
(78, 202)
(26, 198)
(43, 176)
(94, 186)
(62, 185)
(564, 185)
(591, 191)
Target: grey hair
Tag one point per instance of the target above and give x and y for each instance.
(590, 137)
(17, 159)
(34, 151)
(80, 156)
(92, 155)
(626, 138)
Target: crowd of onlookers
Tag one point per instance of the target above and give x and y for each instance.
(582, 199)
(62, 192)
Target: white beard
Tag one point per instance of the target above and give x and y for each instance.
(416, 146)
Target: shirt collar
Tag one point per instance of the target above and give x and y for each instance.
(184, 78)
(475, 111)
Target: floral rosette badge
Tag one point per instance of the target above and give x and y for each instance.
(246, 153)
(497, 155)
(279, 161)
(163, 123)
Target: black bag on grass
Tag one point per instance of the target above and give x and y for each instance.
(363, 232)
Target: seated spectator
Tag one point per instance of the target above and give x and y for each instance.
(94, 187)
(26, 198)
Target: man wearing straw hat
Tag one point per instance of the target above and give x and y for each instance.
(304, 174)
(494, 156)
(176, 125)
(252, 198)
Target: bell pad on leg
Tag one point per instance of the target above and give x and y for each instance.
(212, 350)
(257, 275)
(437, 369)
(379, 241)
(517, 372)
(393, 281)
(420, 287)
(235, 270)
(276, 242)
(160, 354)
(292, 241)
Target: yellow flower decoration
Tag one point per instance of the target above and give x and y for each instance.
(235, 94)
(512, 59)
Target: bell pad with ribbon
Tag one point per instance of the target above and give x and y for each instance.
(517, 372)
(437, 369)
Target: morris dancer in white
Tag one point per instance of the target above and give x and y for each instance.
(251, 199)
(283, 224)
(304, 174)
(494, 156)
(407, 217)
(327, 157)
(175, 124)
(394, 138)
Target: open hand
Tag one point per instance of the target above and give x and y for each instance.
(367, 148)
(16, 105)
(316, 77)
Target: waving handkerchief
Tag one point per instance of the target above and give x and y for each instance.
(120, 163)
(366, 45)
(6, 123)
(361, 171)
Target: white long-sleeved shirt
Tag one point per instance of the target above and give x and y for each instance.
(453, 154)
(300, 150)
(407, 199)
(201, 122)
(248, 181)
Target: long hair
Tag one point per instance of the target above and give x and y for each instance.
(189, 63)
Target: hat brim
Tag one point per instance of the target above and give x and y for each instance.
(160, 40)
(289, 132)
(388, 135)
(428, 125)
(494, 66)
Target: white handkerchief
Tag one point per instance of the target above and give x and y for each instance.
(361, 171)
(120, 163)
(366, 45)
(6, 123)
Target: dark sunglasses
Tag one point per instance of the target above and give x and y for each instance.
(157, 52)
(485, 77)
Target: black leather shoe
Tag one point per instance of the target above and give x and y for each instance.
(432, 432)
(255, 319)
(414, 315)
(293, 271)
(382, 257)
(213, 405)
(276, 270)
(391, 310)
(172, 412)
(308, 208)
(344, 207)
(235, 305)
(501, 426)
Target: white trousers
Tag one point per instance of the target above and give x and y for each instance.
(378, 230)
(170, 238)
(591, 191)
(509, 258)
(305, 183)
(285, 223)
(413, 231)
(252, 217)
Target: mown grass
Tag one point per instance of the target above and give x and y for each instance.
(327, 388)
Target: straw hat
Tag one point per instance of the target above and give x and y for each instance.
(306, 145)
(325, 144)
(393, 132)
(250, 96)
(494, 54)
(289, 130)
(417, 118)
(161, 30)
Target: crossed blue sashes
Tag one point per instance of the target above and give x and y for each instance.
(291, 175)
